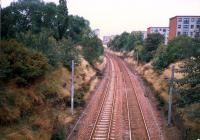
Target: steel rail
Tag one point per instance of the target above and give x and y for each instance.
(127, 104)
(138, 102)
(101, 109)
(83, 113)
(124, 68)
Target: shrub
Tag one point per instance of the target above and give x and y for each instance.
(21, 64)
(179, 48)
(14, 104)
(59, 131)
(161, 59)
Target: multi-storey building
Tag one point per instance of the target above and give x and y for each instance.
(162, 30)
(184, 25)
(144, 34)
(107, 39)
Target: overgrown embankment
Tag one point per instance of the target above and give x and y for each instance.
(38, 42)
(183, 118)
(42, 109)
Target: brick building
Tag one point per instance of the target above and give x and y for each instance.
(184, 25)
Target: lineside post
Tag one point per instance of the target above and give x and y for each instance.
(72, 88)
(170, 97)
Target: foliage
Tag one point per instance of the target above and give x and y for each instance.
(34, 15)
(57, 52)
(92, 48)
(179, 48)
(21, 64)
(151, 43)
(59, 131)
(189, 86)
(126, 41)
(14, 104)
(78, 27)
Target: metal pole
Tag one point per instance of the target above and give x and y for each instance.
(137, 58)
(170, 97)
(72, 88)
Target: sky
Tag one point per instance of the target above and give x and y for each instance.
(116, 16)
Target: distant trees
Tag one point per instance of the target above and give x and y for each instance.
(147, 51)
(126, 41)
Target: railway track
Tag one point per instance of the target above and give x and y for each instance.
(137, 128)
(117, 109)
(102, 129)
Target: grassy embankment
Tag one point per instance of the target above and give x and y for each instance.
(41, 111)
(182, 117)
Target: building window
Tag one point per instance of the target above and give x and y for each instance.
(197, 34)
(191, 33)
(192, 19)
(185, 26)
(198, 21)
(164, 30)
(179, 19)
(198, 26)
(192, 26)
(186, 21)
(179, 26)
(185, 33)
(160, 29)
(179, 33)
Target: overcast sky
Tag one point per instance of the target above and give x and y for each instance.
(116, 16)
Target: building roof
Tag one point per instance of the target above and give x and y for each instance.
(157, 27)
(183, 16)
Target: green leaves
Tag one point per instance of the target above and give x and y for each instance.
(189, 85)
(24, 15)
(126, 41)
(21, 63)
(179, 48)
(92, 49)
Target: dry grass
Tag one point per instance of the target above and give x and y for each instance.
(160, 84)
(39, 125)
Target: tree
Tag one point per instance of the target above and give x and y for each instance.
(124, 42)
(92, 48)
(62, 19)
(189, 85)
(78, 27)
(152, 41)
(181, 47)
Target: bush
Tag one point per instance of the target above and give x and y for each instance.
(14, 104)
(59, 131)
(161, 59)
(21, 64)
(92, 49)
(179, 48)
